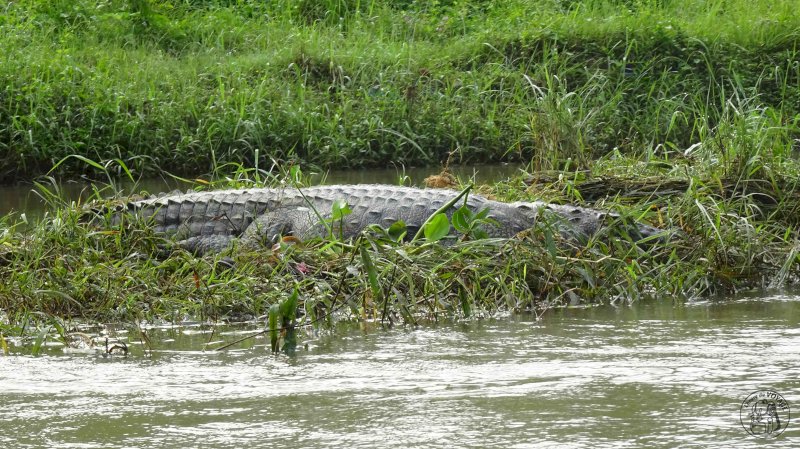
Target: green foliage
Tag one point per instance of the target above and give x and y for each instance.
(397, 231)
(724, 235)
(3, 344)
(281, 324)
(437, 228)
(470, 223)
(372, 273)
(196, 84)
(692, 105)
(437, 225)
(339, 210)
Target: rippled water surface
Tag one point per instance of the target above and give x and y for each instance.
(651, 375)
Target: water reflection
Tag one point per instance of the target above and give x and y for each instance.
(652, 375)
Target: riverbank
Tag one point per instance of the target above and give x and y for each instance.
(721, 236)
(190, 86)
(681, 115)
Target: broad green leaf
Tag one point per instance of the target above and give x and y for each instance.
(550, 242)
(124, 167)
(310, 306)
(83, 159)
(397, 230)
(340, 209)
(462, 219)
(437, 228)
(587, 275)
(424, 229)
(288, 312)
(295, 173)
(40, 339)
(479, 234)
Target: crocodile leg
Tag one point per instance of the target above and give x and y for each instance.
(268, 228)
(203, 244)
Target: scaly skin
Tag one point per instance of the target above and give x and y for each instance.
(207, 221)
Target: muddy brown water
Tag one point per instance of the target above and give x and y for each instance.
(657, 374)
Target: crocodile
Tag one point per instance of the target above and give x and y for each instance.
(208, 221)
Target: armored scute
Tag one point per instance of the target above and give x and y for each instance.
(208, 221)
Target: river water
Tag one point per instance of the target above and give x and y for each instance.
(656, 374)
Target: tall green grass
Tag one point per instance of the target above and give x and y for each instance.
(187, 85)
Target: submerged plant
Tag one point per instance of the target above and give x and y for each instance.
(281, 324)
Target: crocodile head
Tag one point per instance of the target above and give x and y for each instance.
(584, 222)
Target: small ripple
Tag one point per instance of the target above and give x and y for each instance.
(619, 378)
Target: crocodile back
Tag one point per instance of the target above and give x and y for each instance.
(229, 212)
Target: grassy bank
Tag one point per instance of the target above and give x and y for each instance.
(724, 235)
(681, 114)
(187, 85)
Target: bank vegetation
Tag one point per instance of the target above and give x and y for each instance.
(681, 114)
